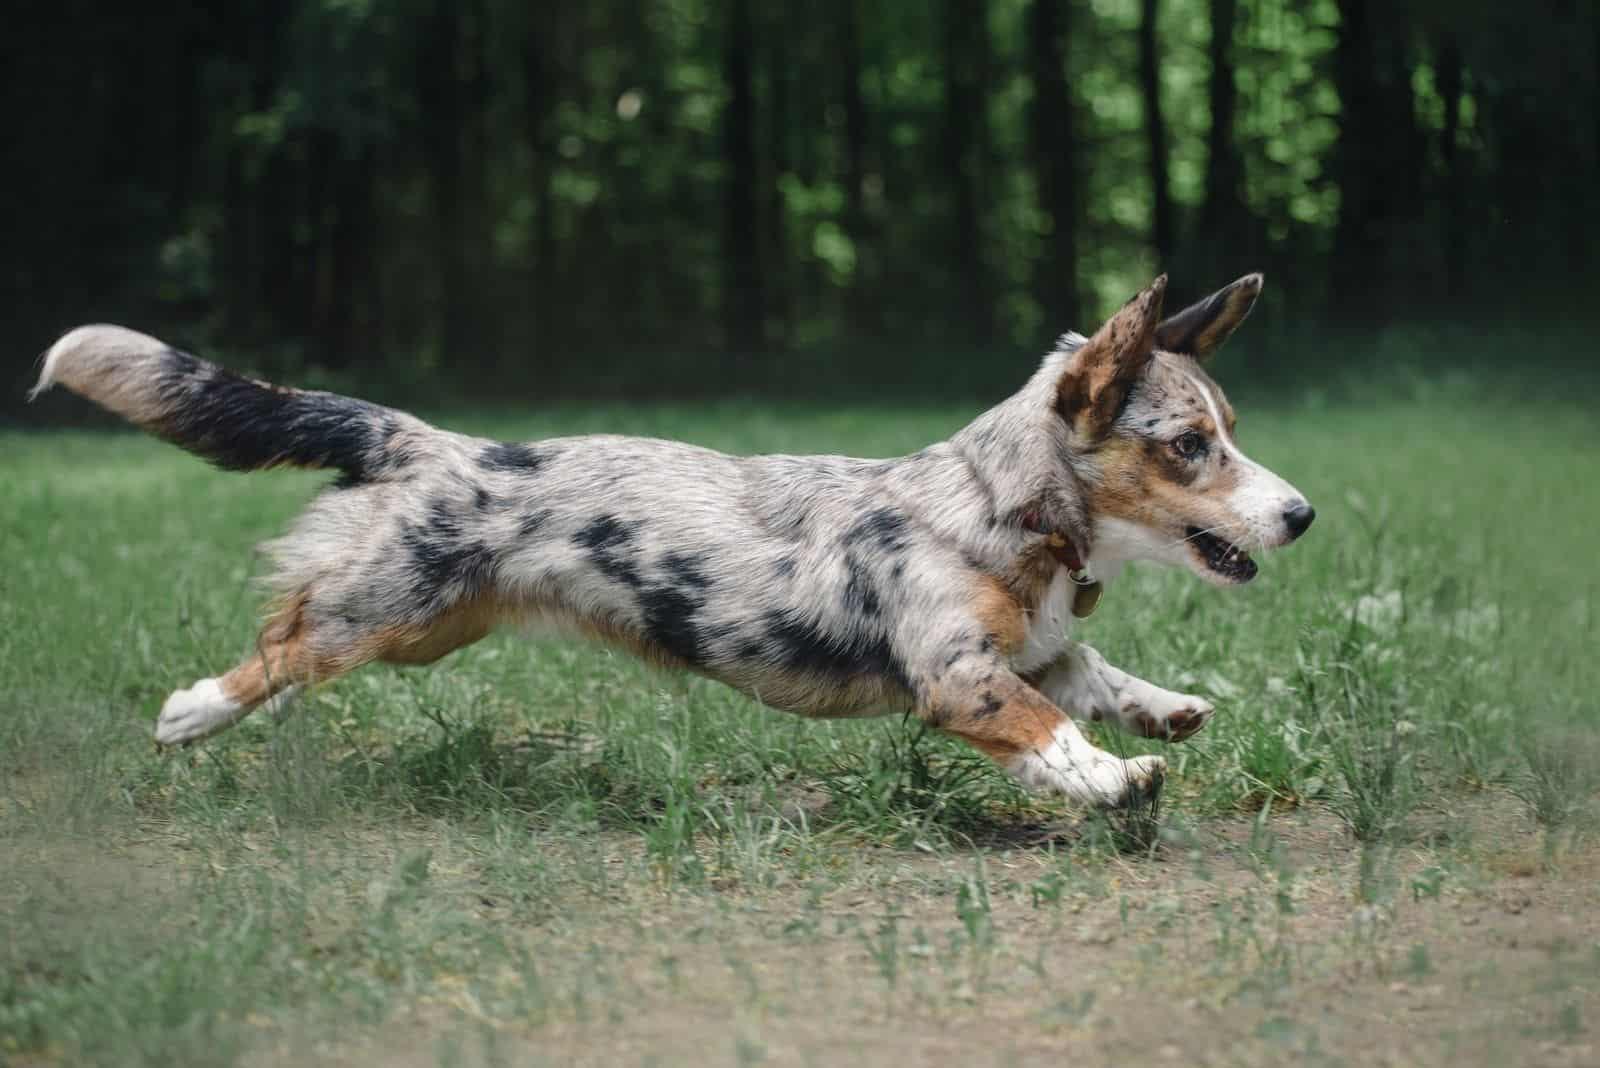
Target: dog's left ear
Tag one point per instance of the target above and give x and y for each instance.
(1103, 369)
(1200, 329)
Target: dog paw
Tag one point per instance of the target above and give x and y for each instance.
(1171, 721)
(1140, 783)
(192, 714)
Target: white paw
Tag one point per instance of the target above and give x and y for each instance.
(194, 713)
(1168, 716)
(1078, 770)
(1141, 782)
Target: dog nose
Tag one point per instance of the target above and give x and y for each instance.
(1298, 518)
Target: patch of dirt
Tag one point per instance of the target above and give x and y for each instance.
(1232, 947)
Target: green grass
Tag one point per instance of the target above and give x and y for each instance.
(536, 833)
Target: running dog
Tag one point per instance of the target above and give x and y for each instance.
(944, 582)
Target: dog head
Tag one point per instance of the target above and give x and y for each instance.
(1166, 480)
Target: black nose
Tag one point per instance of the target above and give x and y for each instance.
(1298, 518)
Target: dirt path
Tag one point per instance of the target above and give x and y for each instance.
(1233, 948)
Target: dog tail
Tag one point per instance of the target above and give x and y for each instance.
(237, 423)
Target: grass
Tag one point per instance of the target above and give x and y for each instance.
(540, 849)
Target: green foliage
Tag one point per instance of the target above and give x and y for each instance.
(500, 192)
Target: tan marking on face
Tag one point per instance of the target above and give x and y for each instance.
(1145, 481)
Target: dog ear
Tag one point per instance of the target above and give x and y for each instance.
(1103, 369)
(1200, 329)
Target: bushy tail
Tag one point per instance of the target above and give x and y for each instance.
(235, 422)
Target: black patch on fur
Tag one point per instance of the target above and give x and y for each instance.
(482, 499)
(991, 705)
(531, 523)
(610, 546)
(669, 621)
(512, 456)
(242, 425)
(685, 568)
(671, 609)
(784, 568)
(882, 527)
(799, 644)
(860, 592)
(445, 564)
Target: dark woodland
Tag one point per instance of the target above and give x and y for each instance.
(695, 197)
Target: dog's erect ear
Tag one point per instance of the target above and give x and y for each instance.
(1099, 375)
(1200, 329)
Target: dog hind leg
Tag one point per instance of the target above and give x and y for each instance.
(270, 678)
(293, 652)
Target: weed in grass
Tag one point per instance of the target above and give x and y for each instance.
(883, 946)
(976, 913)
(1047, 889)
(1559, 773)
(914, 788)
(1073, 1010)
(1378, 875)
(1352, 684)
(1428, 883)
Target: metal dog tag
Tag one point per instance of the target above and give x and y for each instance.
(1085, 600)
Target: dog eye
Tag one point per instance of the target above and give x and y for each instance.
(1189, 444)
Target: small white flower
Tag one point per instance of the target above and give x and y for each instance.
(1380, 611)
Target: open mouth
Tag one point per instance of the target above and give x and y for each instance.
(1221, 556)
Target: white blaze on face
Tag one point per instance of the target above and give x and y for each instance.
(1261, 498)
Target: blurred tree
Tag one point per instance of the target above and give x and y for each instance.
(1054, 161)
(964, 152)
(863, 313)
(1163, 227)
(488, 191)
(1222, 212)
(742, 283)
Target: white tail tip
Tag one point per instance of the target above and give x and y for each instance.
(97, 340)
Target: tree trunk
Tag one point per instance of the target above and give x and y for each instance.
(743, 297)
(1051, 144)
(478, 334)
(545, 40)
(964, 148)
(1453, 220)
(440, 106)
(861, 311)
(781, 160)
(1378, 161)
(1163, 230)
(1221, 209)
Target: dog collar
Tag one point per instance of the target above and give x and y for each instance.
(1087, 596)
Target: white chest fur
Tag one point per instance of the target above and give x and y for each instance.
(1048, 627)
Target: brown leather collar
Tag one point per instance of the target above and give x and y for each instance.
(1060, 546)
(1087, 595)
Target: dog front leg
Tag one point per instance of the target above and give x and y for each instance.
(1084, 684)
(999, 714)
